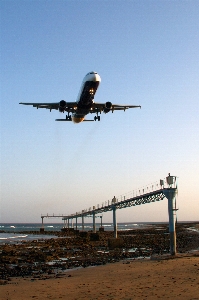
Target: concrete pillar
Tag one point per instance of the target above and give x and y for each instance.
(68, 223)
(76, 223)
(82, 222)
(114, 221)
(42, 222)
(170, 194)
(101, 220)
(94, 226)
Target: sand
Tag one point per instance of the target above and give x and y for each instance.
(176, 278)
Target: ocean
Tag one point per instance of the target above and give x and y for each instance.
(18, 232)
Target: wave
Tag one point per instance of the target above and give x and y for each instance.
(28, 227)
(18, 238)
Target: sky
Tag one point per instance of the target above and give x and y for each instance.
(146, 53)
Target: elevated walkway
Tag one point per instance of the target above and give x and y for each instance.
(168, 192)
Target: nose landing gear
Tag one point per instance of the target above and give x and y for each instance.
(97, 118)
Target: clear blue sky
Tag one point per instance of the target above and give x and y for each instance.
(147, 53)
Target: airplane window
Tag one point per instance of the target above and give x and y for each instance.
(91, 73)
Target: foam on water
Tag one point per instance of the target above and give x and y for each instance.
(23, 227)
(10, 238)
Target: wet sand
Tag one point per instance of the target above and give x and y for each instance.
(176, 278)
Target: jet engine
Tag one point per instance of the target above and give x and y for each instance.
(62, 105)
(107, 107)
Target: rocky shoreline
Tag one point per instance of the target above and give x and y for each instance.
(47, 258)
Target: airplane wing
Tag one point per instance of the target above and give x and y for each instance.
(43, 105)
(66, 106)
(123, 107)
(98, 107)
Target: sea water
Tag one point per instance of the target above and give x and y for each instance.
(18, 232)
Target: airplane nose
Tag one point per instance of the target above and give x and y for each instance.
(92, 76)
(97, 77)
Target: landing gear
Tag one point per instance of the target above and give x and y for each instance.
(69, 118)
(97, 118)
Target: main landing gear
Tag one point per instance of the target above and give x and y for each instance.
(97, 118)
(69, 118)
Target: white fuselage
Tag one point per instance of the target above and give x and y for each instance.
(86, 95)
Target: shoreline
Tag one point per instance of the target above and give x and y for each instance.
(57, 227)
(36, 258)
(85, 267)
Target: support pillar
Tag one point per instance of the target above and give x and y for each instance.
(82, 222)
(76, 223)
(101, 221)
(68, 223)
(170, 194)
(42, 224)
(114, 221)
(94, 226)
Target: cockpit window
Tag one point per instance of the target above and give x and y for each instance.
(91, 73)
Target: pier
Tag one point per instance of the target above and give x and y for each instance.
(166, 188)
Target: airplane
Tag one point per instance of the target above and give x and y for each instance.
(84, 104)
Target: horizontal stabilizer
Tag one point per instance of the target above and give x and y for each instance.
(71, 120)
(68, 120)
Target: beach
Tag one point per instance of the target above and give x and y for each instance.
(176, 278)
(86, 265)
